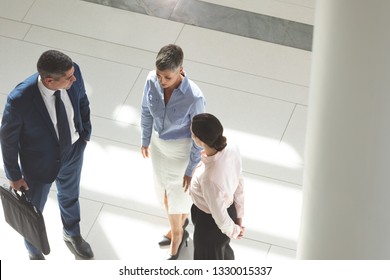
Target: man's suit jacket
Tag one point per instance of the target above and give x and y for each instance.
(27, 130)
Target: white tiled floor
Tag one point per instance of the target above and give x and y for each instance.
(258, 90)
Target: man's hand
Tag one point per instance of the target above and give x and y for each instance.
(19, 184)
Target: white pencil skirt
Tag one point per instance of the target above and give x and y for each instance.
(169, 160)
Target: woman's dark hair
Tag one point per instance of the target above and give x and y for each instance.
(209, 130)
(53, 64)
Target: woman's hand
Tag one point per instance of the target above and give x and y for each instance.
(186, 182)
(238, 221)
(145, 151)
(241, 232)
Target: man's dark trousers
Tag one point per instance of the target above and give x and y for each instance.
(68, 190)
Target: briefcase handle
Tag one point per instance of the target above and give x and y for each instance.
(22, 197)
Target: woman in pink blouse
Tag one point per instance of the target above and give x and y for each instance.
(217, 191)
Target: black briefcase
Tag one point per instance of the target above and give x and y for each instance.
(25, 218)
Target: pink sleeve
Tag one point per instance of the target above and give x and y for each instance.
(239, 197)
(215, 200)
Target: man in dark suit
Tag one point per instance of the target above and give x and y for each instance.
(37, 149)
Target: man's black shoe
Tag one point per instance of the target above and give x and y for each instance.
(36, 257)
(81, 247)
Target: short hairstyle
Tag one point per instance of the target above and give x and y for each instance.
(53, 64)
(170, 57)
(209, 130)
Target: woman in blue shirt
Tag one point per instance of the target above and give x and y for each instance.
(169, 103)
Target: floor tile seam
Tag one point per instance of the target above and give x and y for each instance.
(13, 38)
(248, 73)
(244, 171)
(284, 247)
(104, 203)
(14, 20)
(90, 38)
(180, 32)
(296, 185)
(183, 26)
(76, 52)
(115, 141)
(90, 56)
(255, 240)
(135, 48)
(158, 216)
(145, 50)
(269, 249)
(235, 89)
(130, 91)
(95, 220)
(117, 121)
(251, 93)
(264, 242)
(288, 123)
(25, 35)
(28, 10)
(138, 127)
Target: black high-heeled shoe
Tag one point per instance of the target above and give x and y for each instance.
(165, 241)
(185, 237)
